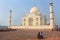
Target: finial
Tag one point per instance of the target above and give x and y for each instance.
(35, 5)
(10, 11)
(51, 3)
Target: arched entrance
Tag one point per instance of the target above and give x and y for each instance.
(30, 21)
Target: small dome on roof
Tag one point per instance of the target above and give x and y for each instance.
(34, 10)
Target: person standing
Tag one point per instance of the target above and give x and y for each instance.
(40, 35)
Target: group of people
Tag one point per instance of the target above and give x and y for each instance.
(40, 35)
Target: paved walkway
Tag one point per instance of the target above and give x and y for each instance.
(28, 35)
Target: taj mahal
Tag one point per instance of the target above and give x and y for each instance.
(35, 20)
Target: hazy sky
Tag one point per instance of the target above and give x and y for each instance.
(21, 7)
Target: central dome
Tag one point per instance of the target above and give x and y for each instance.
(34, 10)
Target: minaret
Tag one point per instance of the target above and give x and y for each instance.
(9, 19)
(51, 16)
